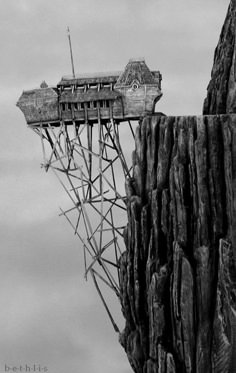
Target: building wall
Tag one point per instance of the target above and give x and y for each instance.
(137, 102)
(40, 105)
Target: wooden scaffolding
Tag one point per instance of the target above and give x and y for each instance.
(90, 163)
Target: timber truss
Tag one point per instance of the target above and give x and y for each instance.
(91, 166)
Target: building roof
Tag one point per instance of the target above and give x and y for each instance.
(89, 95)
(93, 78)
(136, 69)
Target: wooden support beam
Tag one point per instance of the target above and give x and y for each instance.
(104, 302)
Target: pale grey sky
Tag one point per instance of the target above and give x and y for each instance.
(48, 314)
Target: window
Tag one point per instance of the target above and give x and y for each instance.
(105, 104)
(88, 104)
(76, 106)
(135, 86)
(63, 106)
(80, 88)
(95, 104)
(82, 105)
(106, 85)
(69, 106)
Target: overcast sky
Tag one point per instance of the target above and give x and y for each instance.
(48, 314)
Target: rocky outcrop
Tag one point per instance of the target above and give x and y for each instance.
(178, 276)
(178, 273)
(221, 91)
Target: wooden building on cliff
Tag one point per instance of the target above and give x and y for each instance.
(122, 96)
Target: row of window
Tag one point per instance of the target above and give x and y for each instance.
(85, 87)
(81, 105)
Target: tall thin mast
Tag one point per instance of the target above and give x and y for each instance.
(71, 54)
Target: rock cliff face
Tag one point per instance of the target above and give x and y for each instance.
(178, 275)
(221, 91)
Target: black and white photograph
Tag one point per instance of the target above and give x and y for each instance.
(118, 186)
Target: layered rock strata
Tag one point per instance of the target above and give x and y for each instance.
(221, 91)
(178, 279)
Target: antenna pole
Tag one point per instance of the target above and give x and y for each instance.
(71, 54)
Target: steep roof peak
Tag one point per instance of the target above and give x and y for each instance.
(136, 70)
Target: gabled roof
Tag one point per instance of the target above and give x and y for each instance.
(136, 69)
